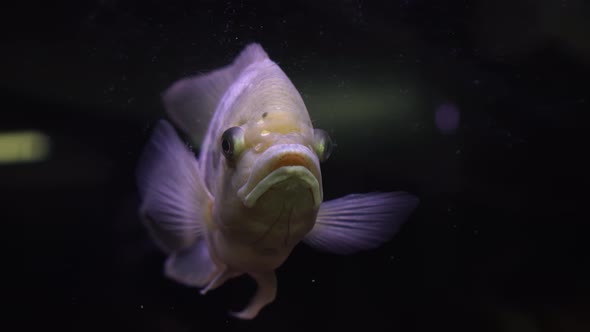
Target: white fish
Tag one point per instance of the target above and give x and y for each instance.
(255, 191)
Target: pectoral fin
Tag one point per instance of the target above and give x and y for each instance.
(173, 196)
(359, 221)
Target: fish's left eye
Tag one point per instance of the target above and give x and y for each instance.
(232, 142)
(322, 144)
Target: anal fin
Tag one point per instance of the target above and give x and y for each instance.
(265, 294)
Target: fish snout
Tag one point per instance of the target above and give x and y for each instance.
(284, 163)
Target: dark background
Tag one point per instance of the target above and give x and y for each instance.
(497, 244)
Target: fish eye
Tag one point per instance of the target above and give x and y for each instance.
(232, 142)
(322, 144)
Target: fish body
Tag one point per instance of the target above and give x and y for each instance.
(255, 190)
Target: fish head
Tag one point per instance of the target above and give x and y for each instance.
(272, 178)
(265, 174)
(276, 151)
(283, 160)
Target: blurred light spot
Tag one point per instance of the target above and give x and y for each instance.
(447, 118)
(23, 146)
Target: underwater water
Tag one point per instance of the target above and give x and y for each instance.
(475, 107)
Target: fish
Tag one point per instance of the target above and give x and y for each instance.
(253, 191)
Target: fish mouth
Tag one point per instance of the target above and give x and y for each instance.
(280, 164)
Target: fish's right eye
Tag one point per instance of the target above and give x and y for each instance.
(232, 142)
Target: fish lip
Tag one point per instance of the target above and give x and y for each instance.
(270, 168)
(282, 174)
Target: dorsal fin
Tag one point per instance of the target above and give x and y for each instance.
(191, 101)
